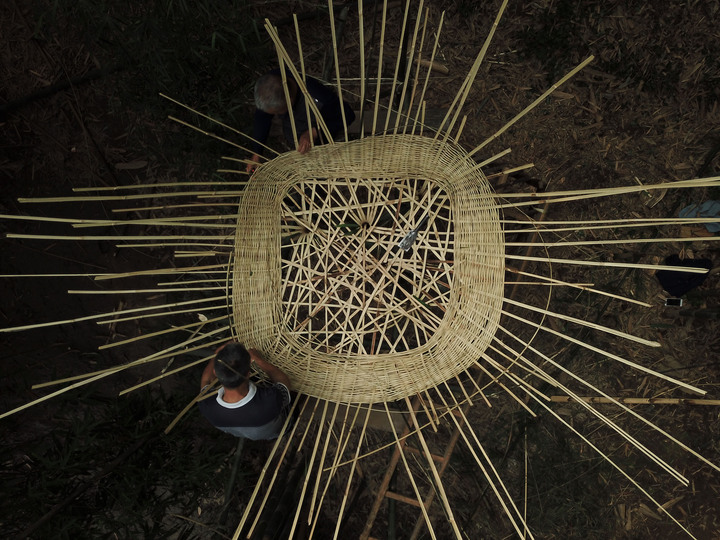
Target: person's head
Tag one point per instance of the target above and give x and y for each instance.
(232, 365)
(270, 95)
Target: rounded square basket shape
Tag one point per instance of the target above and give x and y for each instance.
(322, 287)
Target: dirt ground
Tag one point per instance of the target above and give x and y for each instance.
(646, 110)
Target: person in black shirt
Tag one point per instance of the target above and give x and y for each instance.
(240, 407)
(270, 101)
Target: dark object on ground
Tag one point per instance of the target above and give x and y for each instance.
(679, 283)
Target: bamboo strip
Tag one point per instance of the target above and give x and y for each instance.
(605, 420)
(493, 158)
(410, 53)
(288, 440)
(173, 372)
(354, 462)
(420, 113)
(92, 198)
(119, 237)
(464, 92)
(323, 455)
(438, 481)
(620, 190)
(582, 286)
(170, 330)
(601, 242)
(102, 315)
(59, 392)
(399, 57)
(379, 72)
(582, 322)
(637, 401)
(213, 120)
(606, 458)
(534, 104)
(337, 68)
(309, 469)
(172, 207)
(416, 78)
(510, 171)
(400, 449)
(146, 291)
(491, 480)
(606, 353)
(164, 314)
(164, 271)
(123, 187)
(363, 86)
(638, 266)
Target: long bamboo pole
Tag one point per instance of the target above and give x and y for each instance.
(111, 313)
(530, 107)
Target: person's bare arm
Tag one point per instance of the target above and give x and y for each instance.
(208, 375)
(273, 372)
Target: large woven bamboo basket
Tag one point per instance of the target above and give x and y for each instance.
(322, 287)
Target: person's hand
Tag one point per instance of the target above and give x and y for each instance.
(254, 162)
(256, 357)
(304, 143)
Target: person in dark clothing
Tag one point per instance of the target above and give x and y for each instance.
(240, 407)
(270, 101)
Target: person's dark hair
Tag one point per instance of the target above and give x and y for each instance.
(232, 365)
(269, 93)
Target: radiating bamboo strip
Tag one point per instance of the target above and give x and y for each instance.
(660, 508)
(124, 187)
(612, 425)
(510, 171)
(172, 372)
(311, 462)
(464, 91)
(146, 291)
(379, 71)
(353, 467)
(494, 158)
(204, 204)
(416, 77)
(103, 315)
(337, 68)
(582, 322)
(606, 242)
(606, 353)
(61, 391)
(400, 449)
(410, 53)
(139, 196)
(213, 120)
(323, 455)
(638, 266)
(288, 440)
(170, 330)
(582, 286)
(162, 314)
(205, 269)
(436, 476)
(534, 104)
(503, 497)
(637, 400)
(401, 47)
(119, 237)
